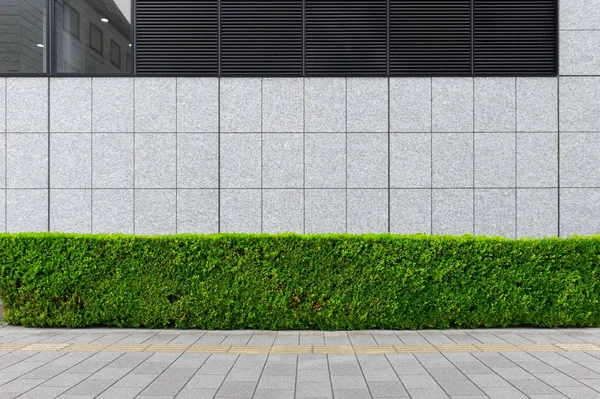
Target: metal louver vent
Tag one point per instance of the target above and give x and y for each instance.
(346, 38)
(430, 38)
(515, 37)
(177, 37)
(261, 37)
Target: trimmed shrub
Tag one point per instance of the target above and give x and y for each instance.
(279, 282)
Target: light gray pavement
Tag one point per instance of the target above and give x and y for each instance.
(111, 363)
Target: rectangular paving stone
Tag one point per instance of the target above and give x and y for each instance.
(387, 389)
(351, 394)
(91, 387)
(429, 393)
(120, 393)
(460, 388)
(313, 389)
(163, 388)
(236, 389)
(533, 387)
(277, 382)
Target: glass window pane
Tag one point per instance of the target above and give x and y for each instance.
(23, 36)
(92, 36)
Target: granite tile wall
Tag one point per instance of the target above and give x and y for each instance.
(494, 156)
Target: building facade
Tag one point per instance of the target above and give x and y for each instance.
(510, 154)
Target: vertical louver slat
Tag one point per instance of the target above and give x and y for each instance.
(430, 37)
(177, 37)
(346, 38)
(261, 38)
(515, 37)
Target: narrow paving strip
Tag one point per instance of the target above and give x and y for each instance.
(133, 363)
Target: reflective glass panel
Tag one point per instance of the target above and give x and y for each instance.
(23, 36)
(92, 36)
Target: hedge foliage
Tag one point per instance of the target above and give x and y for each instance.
(277, 282)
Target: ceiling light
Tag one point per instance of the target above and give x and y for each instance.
(103, 19)
(129, 44)
(40, 45)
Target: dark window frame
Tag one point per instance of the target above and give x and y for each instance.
(114, 45)
(94, 26)
(68, 8)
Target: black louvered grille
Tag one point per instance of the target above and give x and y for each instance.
(515, 37)
(261, 37)
(430, 38)
(346, 38)
(177, 37)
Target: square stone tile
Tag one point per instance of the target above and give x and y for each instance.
(410, 160)
(241, 160)
(387, 389)
(163, 388)
(112, 100)
(283, 105)
(578, 54)
(241, 211)
(452, 211)
(155, 160)
(367, 160)
(70, 160)
(320, 389)
(325, 105)
(197, 105)
(236, 389)
(537, 159)
(579, 159)
(197, 160)
(579, 211)
(410, 104)
(155, 212)
(197, 211)
(26, 211)
(495, 104)
(268, 382)
(367, 105)
(537, 104)
(70, 105)
(495, 160)
(71, 211)
(27, 160)
(283, 160)
(283, 211)
(2, 211)
(112, 211)
(241, 101)
(2, 105)
(325, 160)
(579, 104)
(155, 105)
(452, 156)
(325, 211)
(367, 211)
(352, 394)
(452, 104)
(410, 211)
(112, 160)
(579, 14)
(27, 105)
(495, 212)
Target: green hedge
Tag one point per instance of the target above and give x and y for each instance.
(328, 282)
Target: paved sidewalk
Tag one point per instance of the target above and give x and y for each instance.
(111, 363)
